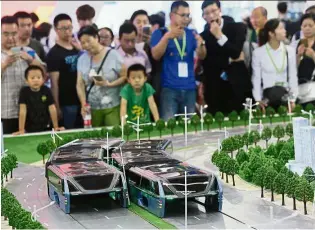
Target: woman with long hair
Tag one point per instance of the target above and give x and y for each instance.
(101, 73)
(274, 68)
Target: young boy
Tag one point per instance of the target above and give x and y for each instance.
(137, 96)
(37, 108)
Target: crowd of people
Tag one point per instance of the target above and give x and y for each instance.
(150, 70)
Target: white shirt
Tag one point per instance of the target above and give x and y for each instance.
(265, 74)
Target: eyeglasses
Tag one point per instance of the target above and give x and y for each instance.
(105, 37)
(8, 34)
(183, 15)
(212, 12)
(64, 29)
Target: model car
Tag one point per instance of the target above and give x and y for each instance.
(77, 168)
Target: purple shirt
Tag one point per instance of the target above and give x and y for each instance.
(139, 57)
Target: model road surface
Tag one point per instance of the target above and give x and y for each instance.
(241, 209)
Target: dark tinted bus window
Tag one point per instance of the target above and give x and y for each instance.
(134, 178)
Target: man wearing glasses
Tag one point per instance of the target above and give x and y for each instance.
(62, 68)
(176, 48)
(224, 43)
(14, 61)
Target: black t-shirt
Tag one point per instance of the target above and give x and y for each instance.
(64, 61)
(306, 67)
(37, 106)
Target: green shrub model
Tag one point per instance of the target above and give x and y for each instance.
(233, 117)
(309, 174)
(148, 128)
(160, 126)
(310, 107)
(304, 192)
(279, 184)
(241, 157)
(181, 123)
(270, 175)
(278, 132)
(171, 124)
(231, 168)
(195, 121)
(42, 149)
(266, 135)
(219, 118)
(270, 113)
(254, 137)
(289, 130)
(298, 110)
(244, 115)
(291, 187)
(116, 131)
(128, 130)
(283, 111)
(208, 120)
(246, 139)
(238, 142)
(228, 145)
(258, 179)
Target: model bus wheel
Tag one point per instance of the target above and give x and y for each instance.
(212, 203)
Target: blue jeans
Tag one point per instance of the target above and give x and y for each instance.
(70, 114)
(173, 101)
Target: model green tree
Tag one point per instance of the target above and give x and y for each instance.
(270, 113)
(42, 149)
(13, 162)
(310, 107)
(128, 130)
(116, 131)
(245, 171)
(195, 121)
(266, 135)
(279, 185)
(233, 117)
(270, 175)
(219, 118)
(304, 192)
(278, 132)
(291, 187)
(244, 115)
(171, 124)
(309, 174)
(241, 157)
(5, 167)
(232, 168)
(289, 129)
(284, 170)
(246, 139)
(160, 126)
(298, 109)
(148, 129)
(238, 142)
(181, 123)
(228, 145)
(258, 179)
(221, 161)
(283, 111)
(284, 155)
(208, 120)
(257, 114)
(254, 137)
(214, 157)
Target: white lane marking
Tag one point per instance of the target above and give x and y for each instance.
(119, 226)
(40, 189)
(107, 217)
(42, 173)
(23, 193)
(213, 227)
(29, 207)
(33, 179)
(196, 218)
(95, 209)
(19, 178)
(28, 185)
(25, 200)
(46, 224)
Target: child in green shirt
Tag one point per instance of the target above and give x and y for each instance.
(137, 96)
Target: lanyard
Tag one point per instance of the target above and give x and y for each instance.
(181, 51)
(274, 64)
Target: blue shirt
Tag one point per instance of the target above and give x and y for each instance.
(171, 58)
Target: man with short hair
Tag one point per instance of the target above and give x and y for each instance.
(14, 61)
(85, 15)
(157, 22)
(176, 47)
(62, 68)
(25, 30)
(128, 50)
(224, 42)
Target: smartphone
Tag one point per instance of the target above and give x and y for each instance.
(98, 78)
(304, 41)
(146, 29)
(16, 50)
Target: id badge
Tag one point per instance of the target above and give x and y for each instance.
(182, 69)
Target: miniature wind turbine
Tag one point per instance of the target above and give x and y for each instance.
(136, 127)
(186, 120)
(54, 135)
(249, 106)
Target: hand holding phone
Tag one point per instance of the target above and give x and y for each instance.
(98, 78)
(16, 50)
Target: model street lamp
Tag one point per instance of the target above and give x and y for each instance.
(249, 106)
(185, 193)
(186, 120)
(33, 216)
(136, 127)
(310, 114)
(202, 115)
